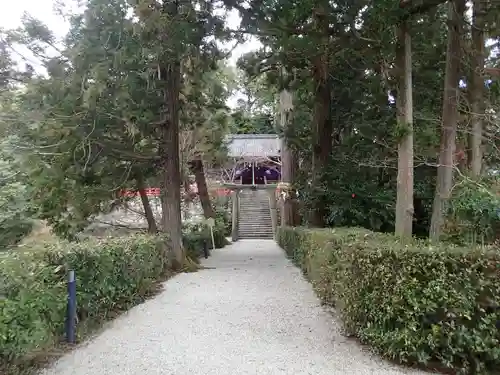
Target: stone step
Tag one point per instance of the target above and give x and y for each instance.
(262, 222)
(255, 210)
(242, 236)
(257, 223)
(255, 237)
(253, 217)
(252, 230)
(254, 233)
(258, 230)
(255, 230)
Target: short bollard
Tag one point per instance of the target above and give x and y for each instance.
(71, 309)
(205, 249)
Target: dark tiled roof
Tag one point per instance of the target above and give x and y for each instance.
(253, 145)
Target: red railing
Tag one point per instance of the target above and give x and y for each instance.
(155, 192)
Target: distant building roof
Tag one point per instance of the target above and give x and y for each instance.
(253, 145)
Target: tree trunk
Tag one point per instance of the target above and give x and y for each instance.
(287, 216)
(201, 183)
(322, 124)
(188, 195)
(449, 119)
(288, 164)
(404, 201)
(476, 89)
(172, 172)
(148, 212)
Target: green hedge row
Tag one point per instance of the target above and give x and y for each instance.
(113, 274)
(437, 306)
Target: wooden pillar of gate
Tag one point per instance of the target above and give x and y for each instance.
(274, 211)
(235, 215)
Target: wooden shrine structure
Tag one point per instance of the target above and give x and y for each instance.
(254, 163)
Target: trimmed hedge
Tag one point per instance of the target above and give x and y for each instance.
(113, 274)
(437, 306)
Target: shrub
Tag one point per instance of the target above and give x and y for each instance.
(474, 212)
(195, 235)
(225, 220)
(431, 305)
(112, 274)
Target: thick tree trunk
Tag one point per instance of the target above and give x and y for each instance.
(449, 119)
(201, 183)
(287, 172)
(172, 172)
(288, 164)
(476, 89)
(148, 211)
(322, 125)
(404, 201)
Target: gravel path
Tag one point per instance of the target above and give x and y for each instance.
(253, 314)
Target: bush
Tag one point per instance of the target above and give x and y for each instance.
(225, 220)
(430, 305)
(195, 235)
(474, 212)
(112, 274)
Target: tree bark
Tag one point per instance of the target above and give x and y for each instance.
(322, 133)
(404, 200)
(449, 119)
(201, 183)
(288, 164)
(187, 197)
(148, 212)
(476, 89)
(172, 171)
(287, 215)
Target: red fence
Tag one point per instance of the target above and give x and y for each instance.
(155, 192)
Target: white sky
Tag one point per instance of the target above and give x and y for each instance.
(10, 17)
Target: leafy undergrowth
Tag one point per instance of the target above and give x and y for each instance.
(432, 306)
(113, 275)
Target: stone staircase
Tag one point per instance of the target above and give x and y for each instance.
(255, 215)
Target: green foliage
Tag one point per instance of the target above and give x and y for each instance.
(112, 275)
(434, 306)
(15, 218)
(474, 213)
(15, 222)
(223, 213)
(196, 235)
(365, 196)
(243, 123)
(94, 122)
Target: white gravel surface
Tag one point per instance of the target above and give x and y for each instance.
(252, 314)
